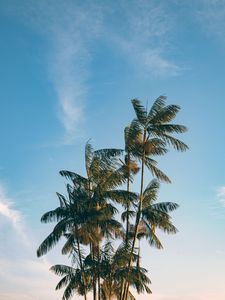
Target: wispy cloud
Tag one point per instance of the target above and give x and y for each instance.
(221, 194)
(211, 15)
(71, 35)
(31, 280)
(11, 214)
(140, 30)
(69, 28)
(30, 276)
(145, 37)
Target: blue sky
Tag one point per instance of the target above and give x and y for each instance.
(68, 72)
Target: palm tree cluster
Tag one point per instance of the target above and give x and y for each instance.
(102, 221)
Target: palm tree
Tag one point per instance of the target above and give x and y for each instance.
(113, 271)
(87, 216)
(71, 215)
(155, 216)
(72, 280)
(154, 132)
(103, 177)
(130, 169)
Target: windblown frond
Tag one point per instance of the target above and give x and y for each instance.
(140, 111)
(88, 157)
(165, 206)
(51, 240)
(158, 105)
(150, 193)
(166, 114)
(54, 215)
(76, 178)
(174, 142)
(151, 164)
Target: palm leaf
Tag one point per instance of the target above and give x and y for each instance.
(140, 111)
(62, 270)
(166, 114)
(51, 240)
(158, 104)
(165, 206)
(174, 142)
(88, 157)
(53, 215)
(76, 178)
(159, 129)
(151, 165)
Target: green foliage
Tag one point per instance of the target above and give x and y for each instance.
(88, 219)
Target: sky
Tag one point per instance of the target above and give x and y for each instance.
(68, 72)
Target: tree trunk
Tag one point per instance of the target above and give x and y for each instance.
(94, 277)
(127, 221)
(138, 216)
(99, 285)
(82, 269)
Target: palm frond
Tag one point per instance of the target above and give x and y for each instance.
(74, 177)
(131, 134)
(63, 282)
(174, 142)
(166, 114)
(165, 206)
(150, 193)
(51, 240)
(159, 219)
(53, 215)
(88, 156)
(140, 111)
(166, 128)
(69, 245)
(62, 270)
(62, 200)
(127, 213)
(151, 165)
(155, 146)
(121, 196)
(108, 153)
(158, 105)
(149, 234)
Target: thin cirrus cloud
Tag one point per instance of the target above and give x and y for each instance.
(145, 38)
(69, 61)
(18, 263)
(69, 28)
(221, 195)
(72, 28)
(211, 15)
(12, 215)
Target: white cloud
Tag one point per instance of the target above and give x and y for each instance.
(11, 214)
(31, 280)
(139, 29)
(145, 37)
(69, 28)
(221, 194)
(18, 263)
(211, 15)
(71, 34)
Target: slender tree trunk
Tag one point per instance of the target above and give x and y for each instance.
(138, 216)
(128, 204)
(91, 244)
(127, 221)
(94, 275)
(98, 257)
(82, 269)
(99, 285)
(138, 267)
(93, 279)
